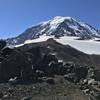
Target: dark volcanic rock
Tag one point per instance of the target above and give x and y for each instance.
(1, 94)
(26, 98)
(2, 44)
(32, 61)
(51, 68)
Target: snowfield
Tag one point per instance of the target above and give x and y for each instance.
(86, 46)
(40, 39)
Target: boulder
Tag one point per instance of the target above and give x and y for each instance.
(27, 98)
(2, 44)
(50, 81)
(91, 81)
(1, 94)
(71, 77)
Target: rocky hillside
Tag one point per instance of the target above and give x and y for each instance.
(65, 53)
(48, 70)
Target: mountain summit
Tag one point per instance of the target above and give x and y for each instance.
(58, 26)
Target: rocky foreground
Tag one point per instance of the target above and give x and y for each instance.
(58, 89)
(35, 75)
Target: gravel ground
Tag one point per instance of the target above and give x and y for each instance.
(60, 90)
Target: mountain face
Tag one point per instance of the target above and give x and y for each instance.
(58, 27)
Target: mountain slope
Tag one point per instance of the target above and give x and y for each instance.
(63, 52)
(87, 46)
(58, 26)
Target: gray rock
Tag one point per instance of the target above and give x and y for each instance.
(27, 98)
(1, 94)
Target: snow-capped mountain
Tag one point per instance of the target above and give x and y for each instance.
(57, 27)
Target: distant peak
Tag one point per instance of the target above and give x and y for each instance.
(62, 17)
(58, 17)
(58, 26)
(57, 20)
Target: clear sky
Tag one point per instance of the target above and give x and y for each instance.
(17, 15)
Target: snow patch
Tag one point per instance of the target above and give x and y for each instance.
(42, 38)
(19, 45)
(86, 46)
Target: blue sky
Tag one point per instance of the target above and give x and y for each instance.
(17, 15)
